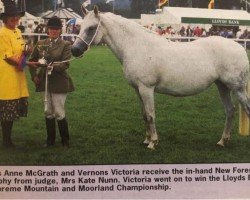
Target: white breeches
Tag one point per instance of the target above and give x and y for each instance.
(55, 105)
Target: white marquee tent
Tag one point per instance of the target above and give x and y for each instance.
(178, 15)
(29, 16)
(63, 13)
(30, 19)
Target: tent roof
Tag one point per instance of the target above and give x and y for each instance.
(63, 13)
(29, 16)
(208, 16)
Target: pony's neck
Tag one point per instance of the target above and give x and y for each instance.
(120, 34)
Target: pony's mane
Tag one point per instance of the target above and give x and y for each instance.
(121, 21)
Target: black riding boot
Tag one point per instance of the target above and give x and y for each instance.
(64, 131)
(51, 131)
(6, 131)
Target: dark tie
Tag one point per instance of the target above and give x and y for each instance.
(53, 42)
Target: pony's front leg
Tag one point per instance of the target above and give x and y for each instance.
(146, 95)
(148, 136)
(229, 108)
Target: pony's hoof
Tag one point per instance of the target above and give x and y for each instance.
(146, 141)
(151, 146)
(221, 143)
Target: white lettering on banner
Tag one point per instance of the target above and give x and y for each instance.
(225, 21)
(234, 22)
(219, 21)
(112, 181)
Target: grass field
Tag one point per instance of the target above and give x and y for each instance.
(106, 125)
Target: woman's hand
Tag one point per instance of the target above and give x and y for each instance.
(36, 80)
(18, 61)
(33, 64)
(14, 60)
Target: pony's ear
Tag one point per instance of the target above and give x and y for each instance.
(84, 10)
(96, 10)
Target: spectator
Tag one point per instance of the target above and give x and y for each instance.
(76, 29)
(189, 32)
(35, 25)
(217, 31)
(238, 34)
(168, 30)
(21, 27)
(159, 30)
(29, 29)
(244, 35)
(197, 31)
(224, 33)
(203, 32)
(230, 33)
(39, 29)
(152, 27)
(182, 31)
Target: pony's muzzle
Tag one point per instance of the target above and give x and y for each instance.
(78, 50)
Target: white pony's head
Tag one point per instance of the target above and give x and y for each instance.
(90, 32)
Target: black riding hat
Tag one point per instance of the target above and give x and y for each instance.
(10, 9)
(54, 22)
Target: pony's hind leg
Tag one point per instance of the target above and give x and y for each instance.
(146, 96)
(226, 99)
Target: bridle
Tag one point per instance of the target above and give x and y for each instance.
(94, 36)
(88, 44)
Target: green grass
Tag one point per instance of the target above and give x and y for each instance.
(106, 125)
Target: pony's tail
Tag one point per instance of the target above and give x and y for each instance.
(244, 111)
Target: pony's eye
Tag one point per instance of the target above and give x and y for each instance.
(92, 28)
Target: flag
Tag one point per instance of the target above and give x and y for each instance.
(211, 4)
(162, 3)
(86, 3)
(107, 1)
